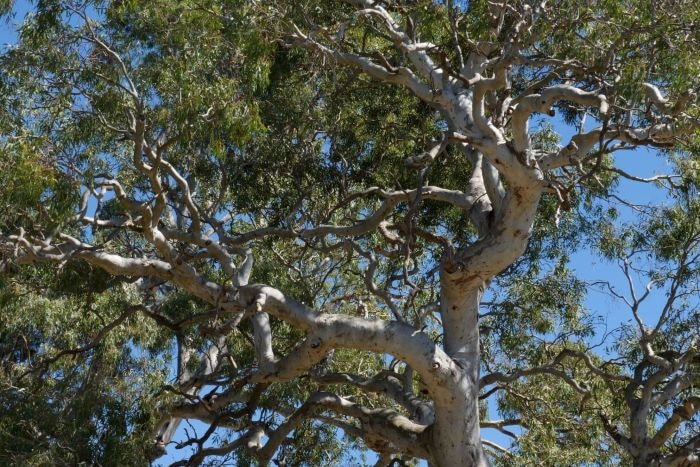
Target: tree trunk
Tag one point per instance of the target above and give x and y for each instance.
(642, 461)
(456, 437)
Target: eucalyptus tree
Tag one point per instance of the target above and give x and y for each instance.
(319, 227)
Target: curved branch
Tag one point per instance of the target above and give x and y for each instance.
(403, 435)
(524, 107)
(330, 331)
(687, 455)
(683, 412)
(183, 275)
(387, 383)
(402, 76)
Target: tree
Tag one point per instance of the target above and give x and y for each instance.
(322, 227)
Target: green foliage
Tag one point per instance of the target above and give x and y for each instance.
(89, 408)
(273, 136)
(29, 180)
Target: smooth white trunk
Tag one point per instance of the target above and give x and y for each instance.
(456, 437)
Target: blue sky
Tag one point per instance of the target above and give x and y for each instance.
(642, 163)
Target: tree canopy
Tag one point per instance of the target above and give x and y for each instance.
(349, 232)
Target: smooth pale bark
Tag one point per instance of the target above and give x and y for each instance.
(455, 435)
(504, 189)
(456, 438)
(500, 198)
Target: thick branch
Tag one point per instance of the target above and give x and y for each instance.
(398, 339)
(684, 412)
